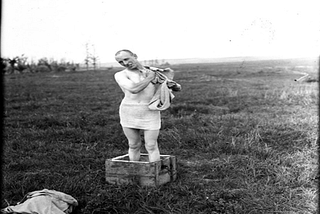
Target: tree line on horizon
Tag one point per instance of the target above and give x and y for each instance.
(21, 64)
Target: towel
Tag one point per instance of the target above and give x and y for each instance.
(165, 74)
(139, 116)
(168, 72)
(163, 96)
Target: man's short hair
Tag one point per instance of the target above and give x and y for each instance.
(125, 50)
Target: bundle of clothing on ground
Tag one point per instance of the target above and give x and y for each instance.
(44, 202)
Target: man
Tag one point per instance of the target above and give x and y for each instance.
(135, 82)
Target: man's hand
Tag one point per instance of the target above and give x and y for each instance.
(150, 74)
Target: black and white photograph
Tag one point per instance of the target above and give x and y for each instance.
(160, 107)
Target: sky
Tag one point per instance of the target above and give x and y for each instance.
(159, 29)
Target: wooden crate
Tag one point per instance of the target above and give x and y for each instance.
(120, 170)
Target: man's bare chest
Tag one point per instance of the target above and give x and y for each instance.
(136, 76)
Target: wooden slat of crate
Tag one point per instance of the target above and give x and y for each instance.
(157, 180)
(131, 168)
(173, 168)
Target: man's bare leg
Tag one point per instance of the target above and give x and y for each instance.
(151, 144)
(133, 136)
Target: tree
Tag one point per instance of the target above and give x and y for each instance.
(17, 63)
(12, 62)
(44, 62)
(21, 63)
(94, 60)
(4, 64)
(91, 57)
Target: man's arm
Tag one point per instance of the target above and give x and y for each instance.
(130, 86)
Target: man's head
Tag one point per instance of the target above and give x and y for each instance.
(127, 59)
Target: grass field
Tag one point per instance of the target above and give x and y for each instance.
(245, 136)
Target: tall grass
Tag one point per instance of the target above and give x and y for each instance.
(245, 141)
